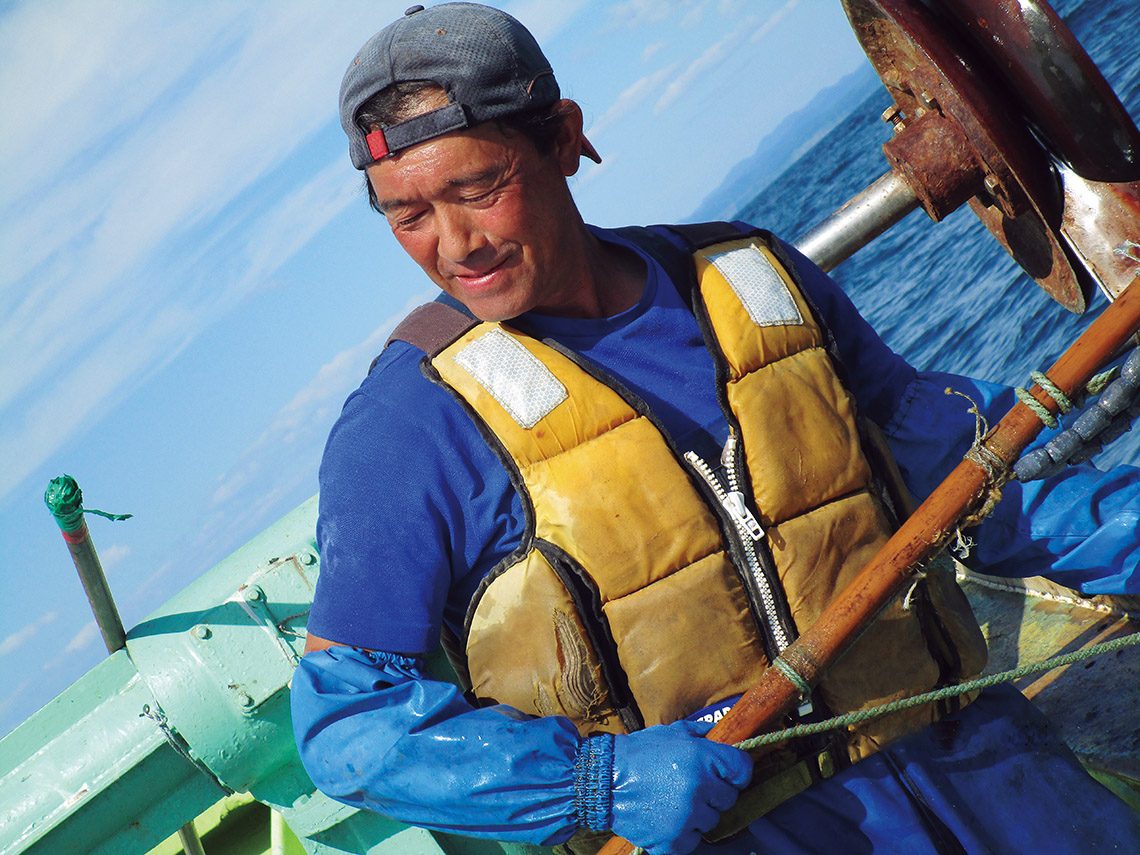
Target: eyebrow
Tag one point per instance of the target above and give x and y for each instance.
(483, 177)
(486, 175)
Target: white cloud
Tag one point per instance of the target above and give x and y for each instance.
(771, 23)
(652, 50)
(81, 640)
(113, 554)
(37, 426)
(633, 14)
(142, 592)
(713, 56)
(544, 18)
(22, 636)
(749, 28)
(290, 223)
(75, 72)
(631, 97)
(594, 171)
(730, 8)
(9, 702)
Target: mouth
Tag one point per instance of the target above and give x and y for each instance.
(485, 277)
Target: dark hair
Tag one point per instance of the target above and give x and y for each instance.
(401, 101)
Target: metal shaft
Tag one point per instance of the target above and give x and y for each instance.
(191, 842)
(857, 223)
(95, 585)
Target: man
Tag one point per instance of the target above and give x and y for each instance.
(541, 493)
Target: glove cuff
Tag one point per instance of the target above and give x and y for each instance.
(594, 782)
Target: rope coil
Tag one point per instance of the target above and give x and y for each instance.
(1052, 391)
(1112, 415)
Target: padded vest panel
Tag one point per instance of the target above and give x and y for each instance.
(601, 479)
(799, 434)
(784, 334)
(545, 661)
(811, 479)
(698, 614)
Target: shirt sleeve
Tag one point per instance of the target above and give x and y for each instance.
(414, 509)
(1078, 528)
(376, 731)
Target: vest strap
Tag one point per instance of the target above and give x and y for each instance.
(432, 327)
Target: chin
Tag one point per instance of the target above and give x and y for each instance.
(492, 308)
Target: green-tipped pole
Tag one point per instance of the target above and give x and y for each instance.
(65, 501)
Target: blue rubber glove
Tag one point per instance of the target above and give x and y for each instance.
(670, 784)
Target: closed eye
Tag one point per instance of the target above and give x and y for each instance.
(478, 197)
(408, 219)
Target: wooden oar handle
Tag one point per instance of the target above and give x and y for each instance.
(918, 538)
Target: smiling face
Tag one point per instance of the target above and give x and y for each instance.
(489, 219)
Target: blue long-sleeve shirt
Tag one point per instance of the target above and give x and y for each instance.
(415, 508)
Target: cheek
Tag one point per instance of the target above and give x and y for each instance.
(420, 247)
(512, 220)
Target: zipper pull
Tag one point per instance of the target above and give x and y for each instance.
(734, 503)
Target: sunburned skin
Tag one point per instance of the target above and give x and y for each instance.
(492, 223)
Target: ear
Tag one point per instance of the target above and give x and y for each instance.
(568, 143)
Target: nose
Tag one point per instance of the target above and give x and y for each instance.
(457, 238)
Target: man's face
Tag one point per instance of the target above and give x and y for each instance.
(486, 217)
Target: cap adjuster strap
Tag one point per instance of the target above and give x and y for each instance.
(425, 126)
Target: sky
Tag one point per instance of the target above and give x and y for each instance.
(191, 281)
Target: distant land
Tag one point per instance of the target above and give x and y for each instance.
(783, 146)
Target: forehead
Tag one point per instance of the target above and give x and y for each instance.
(456, 159)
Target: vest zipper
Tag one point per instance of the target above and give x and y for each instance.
(749, 533)
(750, 536)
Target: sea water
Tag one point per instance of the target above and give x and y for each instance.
(945, 295)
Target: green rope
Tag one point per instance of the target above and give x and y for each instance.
(860, 716)
(1052, 390)
(1094, 387)
(1100, 381)
(784, 667)
(65, 501)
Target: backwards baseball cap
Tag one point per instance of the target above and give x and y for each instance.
(488, 63)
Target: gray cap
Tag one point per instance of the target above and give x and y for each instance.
(488, 63)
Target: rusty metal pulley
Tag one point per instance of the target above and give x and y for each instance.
(1080, 121)
(966, 82)
(1057, 85)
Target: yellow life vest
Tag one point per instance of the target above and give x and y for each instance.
(639, 594)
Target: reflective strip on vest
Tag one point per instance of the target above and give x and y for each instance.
(522, 385)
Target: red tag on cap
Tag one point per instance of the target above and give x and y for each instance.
(377, 145)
